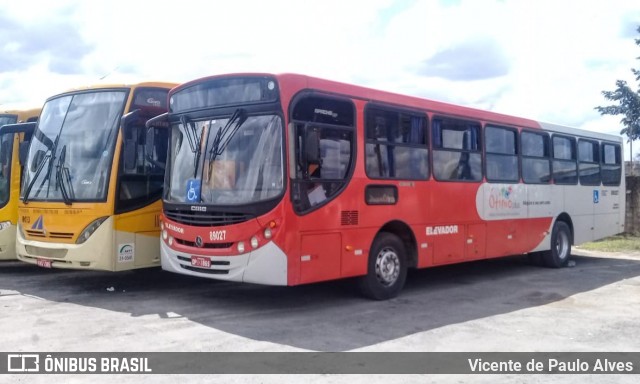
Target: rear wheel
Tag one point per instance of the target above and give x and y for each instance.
(386, 269)
(558, 255)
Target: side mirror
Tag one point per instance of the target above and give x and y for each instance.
(130, 154)
(37, 159)
(312, 147)
(160, 121)
(150, 141)
(156, 148)
(23, 152)
(129, 118)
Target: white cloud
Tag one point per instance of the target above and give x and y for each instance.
(553, 58)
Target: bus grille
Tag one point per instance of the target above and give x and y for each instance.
(52, 235)
(201, 219)
(204, 270)
(205, 245)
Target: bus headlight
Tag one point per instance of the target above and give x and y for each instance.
(241, 247)
(254, 242)
(4, 225)
(88, 231)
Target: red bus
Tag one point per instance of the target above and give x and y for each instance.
(288, 179)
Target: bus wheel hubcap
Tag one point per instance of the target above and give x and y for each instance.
(562, 245)
(387, 266)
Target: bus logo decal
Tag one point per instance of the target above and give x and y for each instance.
(502, 199)
(442, 230)
(198, 241)
(39, 224)
(125, 253)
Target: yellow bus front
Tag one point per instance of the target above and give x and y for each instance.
(94, 175)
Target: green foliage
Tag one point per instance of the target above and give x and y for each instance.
(627, 104)
(620, 243)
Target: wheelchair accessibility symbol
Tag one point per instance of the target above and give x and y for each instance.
(193, 190)
(596, 196)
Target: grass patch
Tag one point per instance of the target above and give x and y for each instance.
(619, 243)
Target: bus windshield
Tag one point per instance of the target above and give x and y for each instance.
(72, 148)
(228, 161)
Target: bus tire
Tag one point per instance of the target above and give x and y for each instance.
(386, 268)
(560, 252)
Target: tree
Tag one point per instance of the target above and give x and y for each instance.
(628, 105)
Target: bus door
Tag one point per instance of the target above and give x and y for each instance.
(138, 196)
(322, 147)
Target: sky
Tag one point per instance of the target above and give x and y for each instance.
(544, 60)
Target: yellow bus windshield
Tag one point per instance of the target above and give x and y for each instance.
(72, 149)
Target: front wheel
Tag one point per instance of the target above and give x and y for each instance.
(386, 268)
(558, 255)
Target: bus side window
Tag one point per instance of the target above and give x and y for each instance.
(611, 164)
(536, 163)
(589, 162)
(456, 150)
(396, 144)
(501, 147)
(565, 169)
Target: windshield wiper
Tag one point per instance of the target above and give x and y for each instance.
(191, 132)
(62, 176)
(50, 155)
(25, 198)
(226, 134)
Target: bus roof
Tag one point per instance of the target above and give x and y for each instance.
(295, 82)
(158, 84)
(23, 114)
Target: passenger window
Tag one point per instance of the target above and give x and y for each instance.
(611, 164)
(536, 165)
(456, 150)
(396, 146)
(564, 165)
(589, 159)
(501, 149)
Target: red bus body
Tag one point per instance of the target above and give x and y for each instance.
(437, 221)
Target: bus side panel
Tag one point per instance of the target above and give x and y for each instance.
(609, 212)
(518, 216)
(579, 203)
(355, 250)
(10, 211)
(320, 257)
(137, 242)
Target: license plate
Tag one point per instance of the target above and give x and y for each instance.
(201, 262)
(43, 263)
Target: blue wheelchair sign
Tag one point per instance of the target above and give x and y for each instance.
(193, 190)
(596, 196)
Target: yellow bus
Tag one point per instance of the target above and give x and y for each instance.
(93, 178)
(10, 174)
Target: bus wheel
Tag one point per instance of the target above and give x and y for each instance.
(558, 255)
(387, 268)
